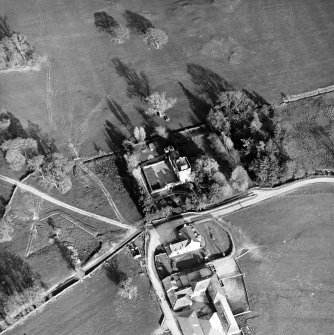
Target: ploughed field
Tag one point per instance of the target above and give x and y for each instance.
(289, 272)
(267, 46)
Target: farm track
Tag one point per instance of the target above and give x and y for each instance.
(104, 190)
(63, 204)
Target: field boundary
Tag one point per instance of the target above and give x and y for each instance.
(295, 97)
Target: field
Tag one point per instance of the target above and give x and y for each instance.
(268, 47)
(118, 184)
(289, 269)
(35, 246)
(84, 194)
(94, 306)
(309, 127)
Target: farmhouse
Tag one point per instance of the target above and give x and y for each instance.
(166, 171)
(190, 241)
(196, 292)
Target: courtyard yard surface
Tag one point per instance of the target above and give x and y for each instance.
(216, 240)
(289, 269)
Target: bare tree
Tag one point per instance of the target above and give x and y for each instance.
(159, 104)
(161, 131)
(140, 134)
(156, 38)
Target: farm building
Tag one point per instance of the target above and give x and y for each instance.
(206, 294)
(190, 241)
(166, 171)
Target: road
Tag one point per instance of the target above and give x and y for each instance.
(156, 283)
(63, 204)
(256, 196)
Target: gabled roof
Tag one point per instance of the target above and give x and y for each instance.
(182, 247)
(190, 325)
(189, 233)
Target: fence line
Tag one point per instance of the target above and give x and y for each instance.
(296, 97)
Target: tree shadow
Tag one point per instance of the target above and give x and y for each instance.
(16, 277)
(186, 146)
(138, 84)
(198, 106)
(256, 98)
(136, 22)
(46, 145)
(114, 273)
(150, 123)
(14, 130)
(114, 137)
(104, 22)
(4, 28)
(209, 83)
(121, 116)
(3, 203)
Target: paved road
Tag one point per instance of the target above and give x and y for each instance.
(156, 283)
(257, 196)
(63, 204)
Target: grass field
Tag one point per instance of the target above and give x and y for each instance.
(289, 272)
(106, 170)
(269, 47)
(45, 257)
(94, 306)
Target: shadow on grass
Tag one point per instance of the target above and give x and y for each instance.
(114, 273)
(150, 123)
(257, 98)
(104, 22)
(121, 116)
(15, 128)
(4, 28)
(136, 22)
(208, 83)
(114, 137)
(17, 279)
(198, 106)
(46, 145)
(138, 84)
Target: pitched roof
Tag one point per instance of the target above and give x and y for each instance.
(190, 325)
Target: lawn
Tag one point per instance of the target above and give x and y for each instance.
(289, 271)
(269, 47)
(94, 306)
